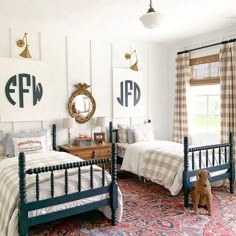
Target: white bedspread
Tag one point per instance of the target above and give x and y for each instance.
(9, 188)
(162, 163)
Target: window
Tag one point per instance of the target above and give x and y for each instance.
(204, 109)
(204, 97)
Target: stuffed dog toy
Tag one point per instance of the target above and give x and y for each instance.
(202, 195)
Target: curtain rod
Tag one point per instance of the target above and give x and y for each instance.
(207, 46)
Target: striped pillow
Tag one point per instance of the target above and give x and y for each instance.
(122, 133)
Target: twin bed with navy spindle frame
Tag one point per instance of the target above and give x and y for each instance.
(219, 155)
(24, 207)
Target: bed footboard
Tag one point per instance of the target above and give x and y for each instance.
(25, 207)
(216, 157)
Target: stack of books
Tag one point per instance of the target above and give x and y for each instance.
(83, 141)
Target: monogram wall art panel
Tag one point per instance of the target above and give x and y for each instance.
(24, 86)
(127, 93)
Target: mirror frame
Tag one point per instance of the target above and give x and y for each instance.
(82, 90)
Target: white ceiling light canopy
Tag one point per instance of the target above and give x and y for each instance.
(151, 18)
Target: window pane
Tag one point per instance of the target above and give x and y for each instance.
(213, 114)
(201, 71)
(214, 69)
(204, 109)
(198, 114)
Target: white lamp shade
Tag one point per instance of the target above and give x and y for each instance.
(101, 121)
(68, 123)
(150, 20)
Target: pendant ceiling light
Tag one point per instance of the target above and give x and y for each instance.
(151, 18)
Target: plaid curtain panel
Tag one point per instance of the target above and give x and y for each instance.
(180, 126)
(228, 90)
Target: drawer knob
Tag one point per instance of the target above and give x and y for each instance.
(94, 155)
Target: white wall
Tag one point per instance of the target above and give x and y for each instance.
(185, 45)
(72, 59)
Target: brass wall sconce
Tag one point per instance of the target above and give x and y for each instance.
(128, 57)
(21, 43)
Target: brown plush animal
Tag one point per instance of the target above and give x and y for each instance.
(202, 195)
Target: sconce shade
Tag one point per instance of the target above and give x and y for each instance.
(68, 123)
(151, 18)
(25, 53)
(134, 66)
(101, 121)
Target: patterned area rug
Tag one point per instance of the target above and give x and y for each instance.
(149, 209)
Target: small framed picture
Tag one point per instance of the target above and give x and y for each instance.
(99, 137)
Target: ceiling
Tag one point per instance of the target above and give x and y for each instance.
(119, 19)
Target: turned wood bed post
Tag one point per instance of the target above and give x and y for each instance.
(231, 161)
(22, 212)
(114, 186)
(54, 146)
(110, 132)
(185, 179)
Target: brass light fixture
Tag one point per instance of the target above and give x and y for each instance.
(21, 43)
(128, 57)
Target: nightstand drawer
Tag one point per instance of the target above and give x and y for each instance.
(95, 153)
(104, 152)
(89, 152)
(84, 154)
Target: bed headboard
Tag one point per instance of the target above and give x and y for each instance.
(113, 133)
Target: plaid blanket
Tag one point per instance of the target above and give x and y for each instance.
(162, 165)
(9, 180)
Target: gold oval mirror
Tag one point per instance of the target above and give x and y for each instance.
(81, 104)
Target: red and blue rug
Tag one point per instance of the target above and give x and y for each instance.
(149, 209)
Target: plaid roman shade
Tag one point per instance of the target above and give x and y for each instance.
(228, 90)
(180, 126)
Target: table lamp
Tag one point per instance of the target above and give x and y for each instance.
(100, 137)
(68, 123)
(101, 122)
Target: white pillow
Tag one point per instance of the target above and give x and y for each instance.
(122, 133)
(143, 127)
(143, 135)
(30, 145)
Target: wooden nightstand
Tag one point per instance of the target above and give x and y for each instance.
(94, 151)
